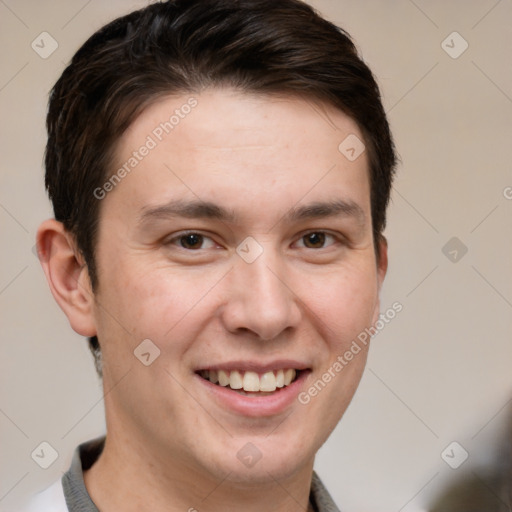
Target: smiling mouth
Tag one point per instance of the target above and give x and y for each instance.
(251, 383)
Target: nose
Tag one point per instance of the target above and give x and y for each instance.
(259, 298)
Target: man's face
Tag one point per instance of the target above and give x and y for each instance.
(292, 296)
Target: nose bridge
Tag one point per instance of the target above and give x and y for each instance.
(266, 278)
(263, 303)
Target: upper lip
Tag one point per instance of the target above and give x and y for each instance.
(252, 366)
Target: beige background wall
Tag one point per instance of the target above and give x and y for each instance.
(439, 372)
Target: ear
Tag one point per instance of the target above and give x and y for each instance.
(382, 268)
(67, 276)
(382, 263)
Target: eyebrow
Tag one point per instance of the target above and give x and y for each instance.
(199, 209)
(320, 210)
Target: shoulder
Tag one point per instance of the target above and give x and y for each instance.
(49, 500)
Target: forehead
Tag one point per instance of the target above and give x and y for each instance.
(239, 148)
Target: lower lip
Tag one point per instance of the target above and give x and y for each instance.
(256, 406)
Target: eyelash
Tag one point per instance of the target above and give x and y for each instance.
(178, 237)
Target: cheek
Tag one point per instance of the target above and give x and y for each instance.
(342, 306)
(343, 303)
(154, 302)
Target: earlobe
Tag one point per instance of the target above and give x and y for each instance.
(67, 276)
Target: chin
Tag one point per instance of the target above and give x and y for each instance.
(260, 460)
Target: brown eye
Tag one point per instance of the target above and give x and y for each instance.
(314, 240)
(191, 241)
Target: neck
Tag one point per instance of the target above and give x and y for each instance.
(133, 477)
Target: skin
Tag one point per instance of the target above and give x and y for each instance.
(170, 445)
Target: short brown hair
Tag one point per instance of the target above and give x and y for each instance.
(185, 46)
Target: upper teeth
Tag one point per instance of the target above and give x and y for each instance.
(251, 381)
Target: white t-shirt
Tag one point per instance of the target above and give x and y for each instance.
(50, 500)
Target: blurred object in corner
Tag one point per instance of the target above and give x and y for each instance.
(483, 489)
